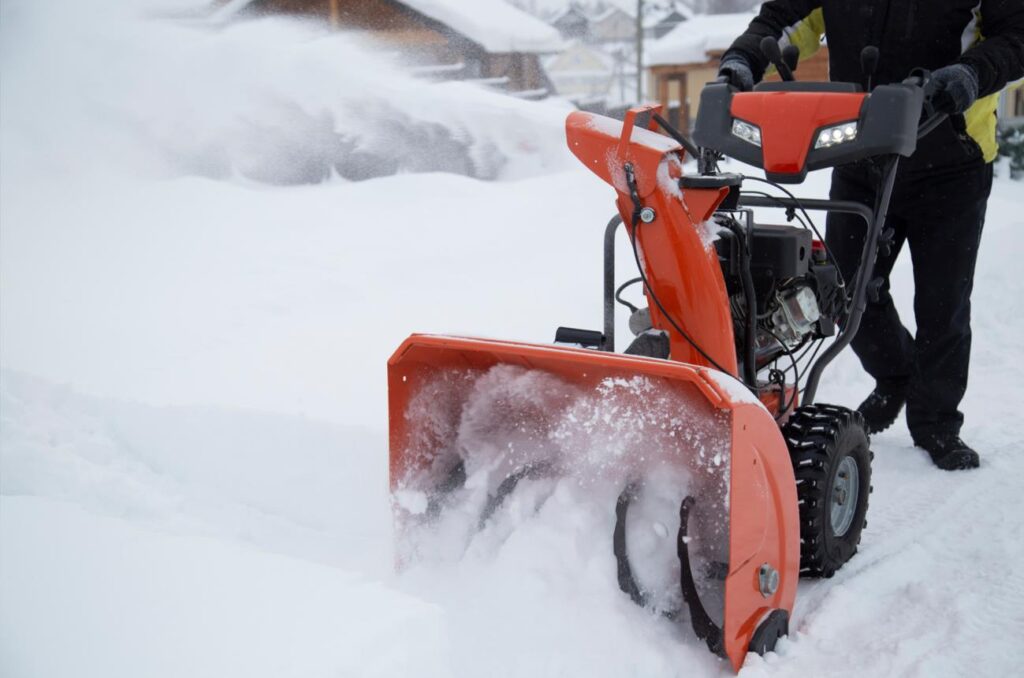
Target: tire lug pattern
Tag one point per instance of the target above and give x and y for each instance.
(813, 434)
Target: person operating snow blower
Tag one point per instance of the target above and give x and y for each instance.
(938, 205)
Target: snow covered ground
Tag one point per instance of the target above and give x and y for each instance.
(192, 396)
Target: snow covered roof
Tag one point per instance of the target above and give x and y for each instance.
(495, 25)
(568, 10)
(610, 12)
(691, 41)
(657, 15)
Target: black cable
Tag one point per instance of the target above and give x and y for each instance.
(796, 371)
(690, 147)
(634, 195)
(807, 349)
(763, 194)
(777, 377)
(816, 346)
(789, 217)
(795, 357)
(793, 198)
(657, 302)
(814, 354)
(828, 251)
(805, 344)
(806, 215)
(622, 287)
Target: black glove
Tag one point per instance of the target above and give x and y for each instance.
(952, 89)
(737, 70)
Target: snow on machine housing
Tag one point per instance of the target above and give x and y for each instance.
(687, 407)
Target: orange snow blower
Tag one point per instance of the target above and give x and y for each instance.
(704, 422)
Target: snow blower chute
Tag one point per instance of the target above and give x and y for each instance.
(708, 419)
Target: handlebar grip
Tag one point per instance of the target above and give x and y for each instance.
(918, 77)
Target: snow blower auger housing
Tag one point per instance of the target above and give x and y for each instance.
(704, 422)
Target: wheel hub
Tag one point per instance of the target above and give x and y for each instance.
(844, 496)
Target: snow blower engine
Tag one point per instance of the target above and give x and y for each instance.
(708, 421)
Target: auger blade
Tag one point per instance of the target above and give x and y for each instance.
(474, 422)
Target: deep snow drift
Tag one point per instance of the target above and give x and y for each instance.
(192, 402)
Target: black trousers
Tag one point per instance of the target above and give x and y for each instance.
(940, 214)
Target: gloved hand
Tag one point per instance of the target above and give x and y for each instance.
(952, 89)
(737, 70)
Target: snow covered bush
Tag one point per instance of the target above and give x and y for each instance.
(1011, 145)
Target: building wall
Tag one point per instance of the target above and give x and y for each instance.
(391, 22)
(395, 24)
(523, 71)
(1011, 108)
(618, 26)
(577, 58)
(579, 72)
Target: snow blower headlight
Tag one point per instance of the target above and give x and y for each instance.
(830, 136)
(747, 132)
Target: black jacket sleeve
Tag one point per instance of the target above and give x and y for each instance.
(775, 17)
(999, 57)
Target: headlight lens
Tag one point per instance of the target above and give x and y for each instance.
(747, 132)
(830, 136)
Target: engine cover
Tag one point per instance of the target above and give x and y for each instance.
(780, 252)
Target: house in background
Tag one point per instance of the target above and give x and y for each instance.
(582, 73)
(486, 40)
(1011, 104)
(612, 25)
(661, 20)
(687, 58)
(572, 23)
(618, 24)
(608, 35)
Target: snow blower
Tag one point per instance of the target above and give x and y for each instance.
(708, 420)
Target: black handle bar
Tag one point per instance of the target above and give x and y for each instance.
(920, 77)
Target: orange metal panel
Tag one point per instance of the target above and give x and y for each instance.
(763, 520)
(789, 120)
(679, 261)
(764, 527)
(421, 354)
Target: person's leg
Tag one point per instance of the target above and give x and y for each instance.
(944, 241)
(883, 344)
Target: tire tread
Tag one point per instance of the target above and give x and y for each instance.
(813, 433)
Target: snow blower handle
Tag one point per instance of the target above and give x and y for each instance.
(921, 77)
(771, 50)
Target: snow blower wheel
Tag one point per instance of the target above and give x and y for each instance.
(832, 464)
